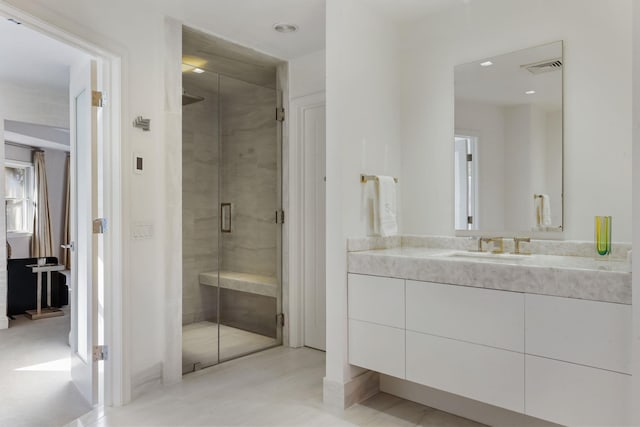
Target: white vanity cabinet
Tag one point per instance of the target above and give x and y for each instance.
(559, 359)
(476, 315)
(578, 360)
(466, 341)
(377, 323)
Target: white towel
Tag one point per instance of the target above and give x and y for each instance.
(544, 210)
(385, 218)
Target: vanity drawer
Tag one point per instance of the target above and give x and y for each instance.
(377, 347)
(478, 372)
(481, 316)
(571, 394)
(376, 299)
(590, 333)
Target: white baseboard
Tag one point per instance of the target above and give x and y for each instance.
(146, 380)
(4, 322)
(342, 395)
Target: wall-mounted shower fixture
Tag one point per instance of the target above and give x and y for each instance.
(142, 123)
(190, 99)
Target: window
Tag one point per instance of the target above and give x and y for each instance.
(19, 197)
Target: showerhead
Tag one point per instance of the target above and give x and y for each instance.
(190, 99)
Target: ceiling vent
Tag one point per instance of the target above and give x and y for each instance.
(545, 66)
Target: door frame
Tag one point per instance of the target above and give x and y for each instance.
(296, 218)
(116, 388)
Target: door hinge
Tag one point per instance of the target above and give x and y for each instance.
(280, 114)
(469, 220)
(280, 319)
(279, 217)
(100, 352)
(469, 157)
(97, 100)
(99, 225)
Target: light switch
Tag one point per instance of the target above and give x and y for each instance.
(138, 163)
(142, 230)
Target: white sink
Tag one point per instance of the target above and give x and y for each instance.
(487, 256)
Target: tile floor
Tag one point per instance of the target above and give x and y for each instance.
(35, 382)
(200, 344)
(277, 387)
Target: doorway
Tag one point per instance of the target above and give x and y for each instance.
(466, 182)
(47, 108)
(232, 215)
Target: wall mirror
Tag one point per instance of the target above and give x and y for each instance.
(508, 142)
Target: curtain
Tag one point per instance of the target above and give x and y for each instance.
(42, 240)
(65, 255)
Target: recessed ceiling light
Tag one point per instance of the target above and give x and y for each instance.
(285, 28)
(486, 64)
(198, 70)
(530, 92)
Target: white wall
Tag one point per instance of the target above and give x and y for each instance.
(363, 135)
(34, 104)
(518, 128)
(553, 163)
(307, 74)
(597, 103)
(487, 121)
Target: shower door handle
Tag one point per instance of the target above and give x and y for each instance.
(225, 217)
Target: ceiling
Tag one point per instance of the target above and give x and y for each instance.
(250, 22)
(32, 58)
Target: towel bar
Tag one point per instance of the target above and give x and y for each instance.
(367, 178)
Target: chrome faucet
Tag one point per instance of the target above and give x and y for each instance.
(517, 241)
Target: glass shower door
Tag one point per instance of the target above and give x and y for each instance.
(249, 274)
(200, 219)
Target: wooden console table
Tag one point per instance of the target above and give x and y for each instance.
(39, 312)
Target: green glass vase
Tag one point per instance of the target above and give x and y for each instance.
(603, 235)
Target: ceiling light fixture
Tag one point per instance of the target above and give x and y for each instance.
(198, 70)
(486, 64)
(530, 92)
(285, 28)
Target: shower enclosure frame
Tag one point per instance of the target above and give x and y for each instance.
(278, 216)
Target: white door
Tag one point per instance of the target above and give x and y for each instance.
(83, 201)
(313, 124)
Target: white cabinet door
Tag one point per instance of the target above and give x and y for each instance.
(576, 395)
(478, 372)
(586, 332)
(481, 316)
(376, 347)
(376, 299)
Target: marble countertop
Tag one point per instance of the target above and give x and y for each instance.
(565, 276)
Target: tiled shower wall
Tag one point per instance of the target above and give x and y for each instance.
(200, 204)
(249, 176)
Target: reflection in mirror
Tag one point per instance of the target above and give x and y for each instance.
(508, 142)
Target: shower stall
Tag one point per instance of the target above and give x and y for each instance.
(231, 198)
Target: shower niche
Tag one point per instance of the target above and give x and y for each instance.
(231, 194)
